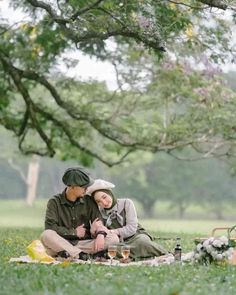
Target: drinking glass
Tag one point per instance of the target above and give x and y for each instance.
(112, 250)
(125, 251)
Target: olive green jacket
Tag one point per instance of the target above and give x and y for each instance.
(64, 216)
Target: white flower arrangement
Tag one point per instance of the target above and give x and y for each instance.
(214, 249)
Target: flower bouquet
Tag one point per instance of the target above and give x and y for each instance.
(213, 250)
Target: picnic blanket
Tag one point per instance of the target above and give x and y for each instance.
(156, 261)
(221, 245)
(37, 254)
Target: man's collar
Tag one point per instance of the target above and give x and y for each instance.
(63, 197)
(80, 200)
(64, 200)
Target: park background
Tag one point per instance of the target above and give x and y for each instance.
(169, 194)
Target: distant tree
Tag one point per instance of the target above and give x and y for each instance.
(26, 168)
(217, 192)
(155, 178)
(12, 186)
(150, 179)
(30, 180)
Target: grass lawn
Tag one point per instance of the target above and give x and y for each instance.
(14, 213)
(200, 227)
(20, 225)
(33, 279)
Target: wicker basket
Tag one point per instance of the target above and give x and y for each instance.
(231, 234)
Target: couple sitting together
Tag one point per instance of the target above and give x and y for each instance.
(86, 218)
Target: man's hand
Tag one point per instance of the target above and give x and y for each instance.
(96, 226)
(99, 243)
(80, 231)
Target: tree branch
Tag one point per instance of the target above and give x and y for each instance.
(85, 9)
(50, 11)
(21, 88)
(75, 143)
(24, 123)
(209, 4)
(185, 4)
(215, 3)
(76, 37)
(18, 169)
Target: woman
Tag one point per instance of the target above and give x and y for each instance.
(119, 215)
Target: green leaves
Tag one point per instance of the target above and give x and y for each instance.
(161, 102)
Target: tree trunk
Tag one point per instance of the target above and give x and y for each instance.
(32, 180)
(218, 213)
(181, 208)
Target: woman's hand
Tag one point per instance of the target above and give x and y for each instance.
(97, 226)
(97, 223)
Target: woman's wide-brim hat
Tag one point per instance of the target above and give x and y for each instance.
(99, 184)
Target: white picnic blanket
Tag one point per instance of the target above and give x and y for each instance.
(165, 259)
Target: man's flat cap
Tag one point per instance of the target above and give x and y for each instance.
(77, 177)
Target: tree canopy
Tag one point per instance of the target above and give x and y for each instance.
(163, 102)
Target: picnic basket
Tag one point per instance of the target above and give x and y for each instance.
(231, 234)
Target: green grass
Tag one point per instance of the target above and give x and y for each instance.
(200, 227)
(35, 279)
(19, 225)
(17, 214)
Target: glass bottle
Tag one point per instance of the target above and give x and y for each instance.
(178, 250)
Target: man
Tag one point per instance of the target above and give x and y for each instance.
(72, 226)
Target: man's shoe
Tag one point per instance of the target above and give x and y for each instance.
(63, 254)
(83, 256)
(101, 254)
